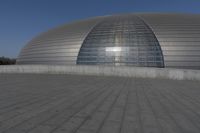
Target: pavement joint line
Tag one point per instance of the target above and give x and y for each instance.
(132, 104)
(139, 113)
(34, 116)
(109, 111)
(125, 106)
(152, 109)
(31, 104)
(183, 111)
(69, 105)
(90, 114)
(170, 114)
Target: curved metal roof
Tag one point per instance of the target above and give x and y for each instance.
(170, 39)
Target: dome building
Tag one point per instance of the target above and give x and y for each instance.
(142, 40)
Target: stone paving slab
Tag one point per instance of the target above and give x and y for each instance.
(50, 103)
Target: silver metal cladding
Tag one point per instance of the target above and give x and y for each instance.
(144, 40)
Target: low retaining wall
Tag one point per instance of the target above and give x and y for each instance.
(141, 72)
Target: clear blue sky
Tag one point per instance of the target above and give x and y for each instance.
(21, 20)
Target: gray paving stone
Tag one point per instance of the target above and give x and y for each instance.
(50, 103)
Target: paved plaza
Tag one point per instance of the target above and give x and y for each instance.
(50, 103)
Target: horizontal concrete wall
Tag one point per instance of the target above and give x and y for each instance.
(141, 72)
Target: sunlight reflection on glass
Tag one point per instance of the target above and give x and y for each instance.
(113, 49)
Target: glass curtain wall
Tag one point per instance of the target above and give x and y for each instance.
(121, 40)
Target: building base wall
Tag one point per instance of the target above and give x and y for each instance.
(137, 72)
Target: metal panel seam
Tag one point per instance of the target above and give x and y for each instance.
(147, 24)
(89, 31)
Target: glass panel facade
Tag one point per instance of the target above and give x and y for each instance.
(121, 40)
